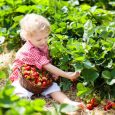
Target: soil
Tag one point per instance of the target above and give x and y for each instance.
(72, 95)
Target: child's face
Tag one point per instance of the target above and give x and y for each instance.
(39, 39)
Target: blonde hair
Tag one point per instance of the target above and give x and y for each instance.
(32, 23)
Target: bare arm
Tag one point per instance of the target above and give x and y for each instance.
(54, 70)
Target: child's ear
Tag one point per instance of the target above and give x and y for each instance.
(23, 35)
(28, 35)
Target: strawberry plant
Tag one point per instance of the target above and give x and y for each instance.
(82, 39)
(10, 103)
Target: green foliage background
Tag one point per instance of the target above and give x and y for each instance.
(82, 38)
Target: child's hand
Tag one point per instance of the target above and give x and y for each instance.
(73, 75)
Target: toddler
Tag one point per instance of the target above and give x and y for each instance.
(35, 30)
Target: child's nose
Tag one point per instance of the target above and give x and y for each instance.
(45, 42)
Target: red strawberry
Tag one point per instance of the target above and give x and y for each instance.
(108, 106)
(89, 106)
(92, 101)
(95, 104)
(36, 81)
(113, 105)
(27, 68)
(109, 102)
(105, 108)
(44, 83)
(33, 69)
(26, 72)
(27, 76)
(35, 74)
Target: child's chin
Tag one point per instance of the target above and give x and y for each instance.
(42, 48)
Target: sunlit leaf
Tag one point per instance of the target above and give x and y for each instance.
(65, 108)
(85, 7)
(111, 82)
(22, 9)
(82, 90)
(88, 64)
(38, 104)
(2, 74)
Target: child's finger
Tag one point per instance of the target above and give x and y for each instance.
(78, 73)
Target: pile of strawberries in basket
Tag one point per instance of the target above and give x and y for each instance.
(34, 75)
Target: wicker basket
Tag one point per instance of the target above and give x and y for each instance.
(31, 86)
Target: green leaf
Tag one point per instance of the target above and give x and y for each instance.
(43, 2)
(22, 9)
(90, 75)
(13, 112)
(92, 9)
(78, 66)
(85, 7)
(11, 2)
(57, 107)
(82, 90)
(88, 64)
(9, 90)
(23, 102)
(88, 30)
(5, 103)
(17, 18)
(2, 74)
(113, 73)
(38, 104)
(110, 82)
(1, 111)
(106, 74)
(65, 108)
(2, 3)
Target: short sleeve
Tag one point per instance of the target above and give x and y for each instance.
(42, 60)
(39, 59)
(33, 56)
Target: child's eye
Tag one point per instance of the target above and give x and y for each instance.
(39, 40)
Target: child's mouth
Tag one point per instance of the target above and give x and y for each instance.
(42, 47)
